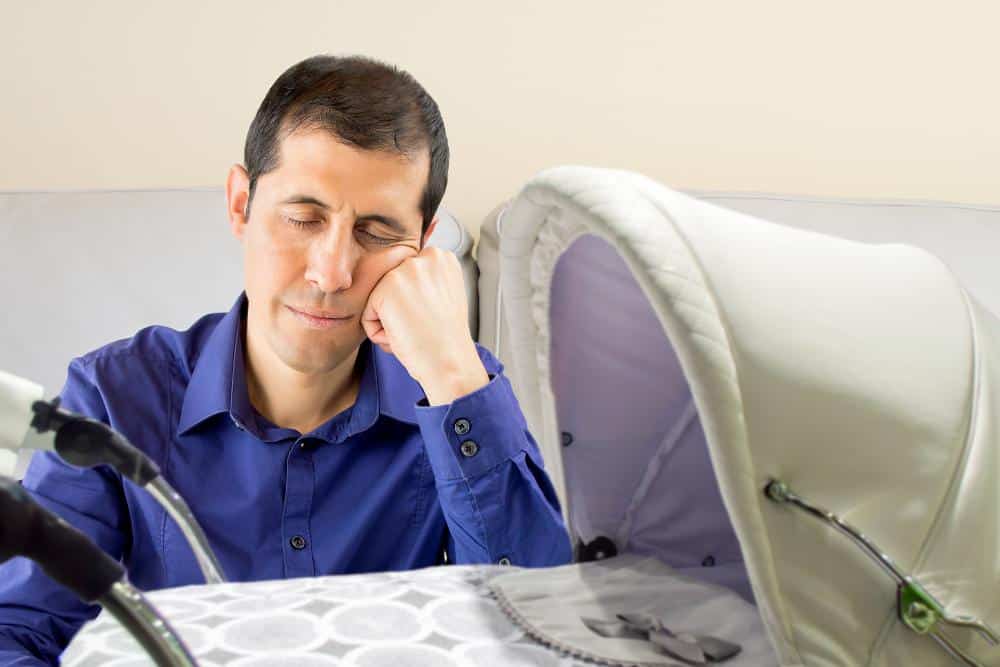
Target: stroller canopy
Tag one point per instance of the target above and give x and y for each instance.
(675, 359)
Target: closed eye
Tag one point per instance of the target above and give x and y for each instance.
(374, 239)
(368, 236)
(302, 223)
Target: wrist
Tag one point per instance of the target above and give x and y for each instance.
(452, 380)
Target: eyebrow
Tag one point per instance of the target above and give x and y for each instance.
(386, 220)
(305, 199)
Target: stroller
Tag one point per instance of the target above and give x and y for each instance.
(711, 387)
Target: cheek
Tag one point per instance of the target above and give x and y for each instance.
(370, 269)
(272, 263)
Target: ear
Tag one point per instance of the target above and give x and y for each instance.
(237, 196)
(427, 234)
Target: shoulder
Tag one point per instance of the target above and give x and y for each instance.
(133, 364)
(155, 344)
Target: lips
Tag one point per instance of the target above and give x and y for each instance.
(318, 319)
(321, 314)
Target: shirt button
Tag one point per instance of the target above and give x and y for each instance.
(503, 561)
(708, 562)
(298, 542)
(567, 438)
(469, 448)
(462, 426)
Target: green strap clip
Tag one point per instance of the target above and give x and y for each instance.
(917, 608)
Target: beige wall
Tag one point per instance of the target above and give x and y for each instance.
(870, 99)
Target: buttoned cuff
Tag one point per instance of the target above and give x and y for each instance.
(474, 433)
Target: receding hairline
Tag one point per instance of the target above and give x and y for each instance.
(420, 147)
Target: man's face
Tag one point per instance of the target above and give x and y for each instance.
(323, 228)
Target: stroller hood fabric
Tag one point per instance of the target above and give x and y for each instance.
(862, 376)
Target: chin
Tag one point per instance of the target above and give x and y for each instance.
(317, 355)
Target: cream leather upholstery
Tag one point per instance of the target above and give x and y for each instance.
(862, 375)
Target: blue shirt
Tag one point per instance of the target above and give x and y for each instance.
(384, 485)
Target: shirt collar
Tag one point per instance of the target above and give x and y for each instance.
(218, 385)
(209, 391)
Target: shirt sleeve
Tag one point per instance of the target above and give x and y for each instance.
(497, 499)
(38, 617)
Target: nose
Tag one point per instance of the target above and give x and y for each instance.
(333, 257)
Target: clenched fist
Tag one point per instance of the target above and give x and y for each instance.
(418, 312)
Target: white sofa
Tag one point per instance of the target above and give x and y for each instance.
(80, 269)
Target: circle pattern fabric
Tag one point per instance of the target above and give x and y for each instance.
(365, 622)
(271, 633)
(438, 617)
(500, 654)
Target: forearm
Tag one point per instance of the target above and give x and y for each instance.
(38, 617)
(496, 498)
(507, 515)
(20, 646)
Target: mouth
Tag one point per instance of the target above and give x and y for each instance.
(318, 319)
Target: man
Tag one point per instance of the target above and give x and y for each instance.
(339, 418)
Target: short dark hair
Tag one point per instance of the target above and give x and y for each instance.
(365, 103)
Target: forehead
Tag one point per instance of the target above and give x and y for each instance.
(315, 163)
